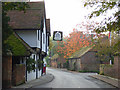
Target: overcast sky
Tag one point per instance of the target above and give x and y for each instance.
(66, 14)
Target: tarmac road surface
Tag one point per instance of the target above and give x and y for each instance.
(67, 79)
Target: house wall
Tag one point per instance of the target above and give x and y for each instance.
(77, 64)
(74, 64)
(44, 43)
(30, 37)
(47, 44)
(39, 39)
(32, 74)
(89, 62)
(39, 71)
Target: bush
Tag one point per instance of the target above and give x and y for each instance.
(31, 64)
(84, 71)
(103, 66)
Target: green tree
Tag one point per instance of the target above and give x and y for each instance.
(109, 23)
(105, 52)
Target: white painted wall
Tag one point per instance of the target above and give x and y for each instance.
(38, 38)
(30, 37)
(44, 38)
(39, 73)
(31, 75)
(47, 45)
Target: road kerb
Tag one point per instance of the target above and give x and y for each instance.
(109, 80)
(42, 80)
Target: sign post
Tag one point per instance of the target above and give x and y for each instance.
(57, 36)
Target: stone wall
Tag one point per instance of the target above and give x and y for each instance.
(18, 74)
(72, 64)
(6, 71)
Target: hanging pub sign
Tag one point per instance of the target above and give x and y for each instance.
(57, 35)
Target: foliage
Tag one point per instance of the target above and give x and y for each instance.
(55, 56)
(66, 64)
(51, 44)
(71, 44)
(6, 6)
(47, 60)
(102, 66)
(109, 23)
(84, 71)
(15, 45)
(7, 30)
(40, 62)
(30, 64)
(105, 52)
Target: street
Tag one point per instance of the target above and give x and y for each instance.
(67, 79)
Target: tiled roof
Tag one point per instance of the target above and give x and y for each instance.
(48, 25)
(81, 52)
(31, 19)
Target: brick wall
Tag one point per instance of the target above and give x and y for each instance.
(112, 70)
(18, 74)
(89, 62)
(6, 71)
(116, 66)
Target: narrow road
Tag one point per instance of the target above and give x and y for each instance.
(66, 79)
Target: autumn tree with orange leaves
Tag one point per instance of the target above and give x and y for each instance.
(73, 43)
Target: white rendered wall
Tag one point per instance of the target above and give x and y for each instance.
(32, 74)
(47, 45)
(30, 37)
(44, 38)
(38, 40)
(39, 71)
